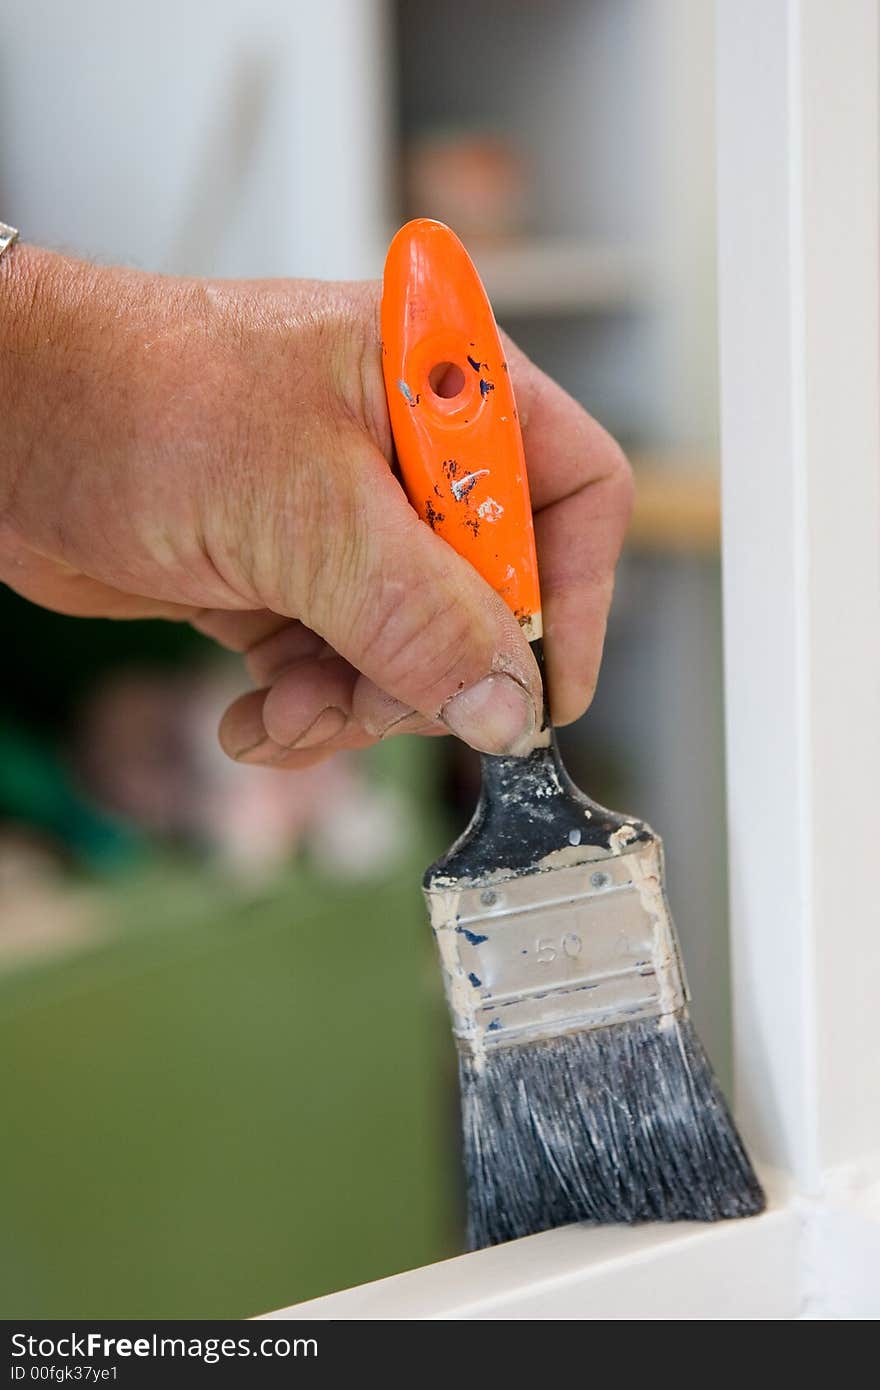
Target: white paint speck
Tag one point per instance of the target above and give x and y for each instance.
(619, 840)
(490, 510)
(462, 486)
(574, 837)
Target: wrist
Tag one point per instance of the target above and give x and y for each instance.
(60, 330)
(45, 331)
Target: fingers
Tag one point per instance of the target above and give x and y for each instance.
(565, 448)
(305, 708)
(414, 617)
(312, 707)
(316, 702)
(238, 630)
(578, 542)
(581, 489)
(381, 715)
(268, 641)
(296, 723)
(311, 704)
(290, 645)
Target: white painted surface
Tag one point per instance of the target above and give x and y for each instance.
(798, 112)
(805, 1258)
(240, 137)
(842, 1257)
(745, 1269)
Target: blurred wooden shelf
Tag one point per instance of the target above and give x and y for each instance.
(553, 276)
(678, 505)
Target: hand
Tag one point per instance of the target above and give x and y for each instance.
(220, 453)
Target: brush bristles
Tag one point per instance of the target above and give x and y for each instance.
(619, 1124)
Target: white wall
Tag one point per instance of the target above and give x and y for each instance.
(230, 137)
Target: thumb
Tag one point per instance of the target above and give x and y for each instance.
(418, 621)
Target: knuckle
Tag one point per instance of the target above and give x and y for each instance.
(360, 384)
(416, 640)
(345, 336)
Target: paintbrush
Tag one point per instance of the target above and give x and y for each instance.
(586, 1094)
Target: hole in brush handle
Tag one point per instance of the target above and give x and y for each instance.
(446, 380)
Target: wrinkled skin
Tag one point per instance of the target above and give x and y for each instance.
(220, 453)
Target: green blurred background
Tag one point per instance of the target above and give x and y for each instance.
(224, 1107)
(222, 1091)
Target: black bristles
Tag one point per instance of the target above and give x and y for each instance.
(618, 1124)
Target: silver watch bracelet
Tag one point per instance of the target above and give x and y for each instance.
(7, 236)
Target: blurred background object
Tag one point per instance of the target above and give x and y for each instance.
(228, 1080)
(474, 181)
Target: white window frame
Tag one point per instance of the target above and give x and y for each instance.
(799, 252)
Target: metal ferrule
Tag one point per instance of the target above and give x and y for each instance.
(585, 942)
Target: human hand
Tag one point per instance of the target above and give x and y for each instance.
(220, 452)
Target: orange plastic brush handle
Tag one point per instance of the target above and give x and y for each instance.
(461, 457)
